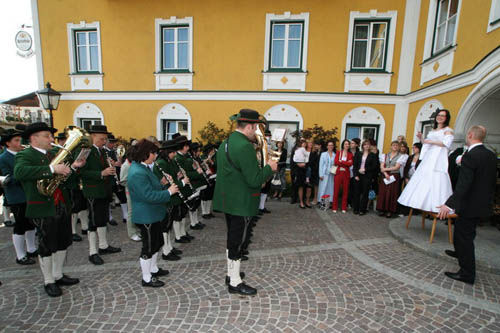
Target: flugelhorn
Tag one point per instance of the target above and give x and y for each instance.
(263, 150)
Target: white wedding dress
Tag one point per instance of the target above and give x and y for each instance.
(430, 185)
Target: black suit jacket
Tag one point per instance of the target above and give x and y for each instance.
(371, 165)
(453, 168)
(474, 193)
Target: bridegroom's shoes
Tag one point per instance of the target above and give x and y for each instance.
(459, 277)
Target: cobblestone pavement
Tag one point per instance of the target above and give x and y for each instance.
(315, 271)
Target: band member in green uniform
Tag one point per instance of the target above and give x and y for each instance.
(237, 191)
(165, 167)
(194, 175)
(97, 178)
(23, 236)
(50, 214)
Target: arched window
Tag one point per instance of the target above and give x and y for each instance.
(173, 118)
(364, 123)
(86, 115)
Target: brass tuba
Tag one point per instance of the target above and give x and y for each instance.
(77, 137)
(264, 153)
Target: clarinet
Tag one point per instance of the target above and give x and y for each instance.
(199, 167)
(110, 164)
(184, 175)
(170, 181)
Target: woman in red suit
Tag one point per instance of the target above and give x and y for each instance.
(343, 161)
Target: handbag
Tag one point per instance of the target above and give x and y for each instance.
(276, 180)
(333, 169)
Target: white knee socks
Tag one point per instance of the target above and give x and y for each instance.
(74, 218)
(57, 264)
(30, 240)
(92, 242)
(167, 247)
(233, 270)
(84, 219)
(177, 230)
(193, 217)
(103, 241)
(263, 198)
(146, 269)
(124, 211)
(19, 245)
(154, 263)
(46, 266)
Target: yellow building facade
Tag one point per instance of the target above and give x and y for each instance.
(372, 68)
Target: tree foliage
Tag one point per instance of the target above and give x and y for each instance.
(318, 133)
(212, 134)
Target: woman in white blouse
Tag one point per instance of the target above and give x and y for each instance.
(301, 157)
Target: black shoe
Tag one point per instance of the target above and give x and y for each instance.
(182, 240)
(25, 261)
(110, 249)
(186, 238)
(459, 277)
(161, 272)
(32, 254)
(155, 283)
(211, 215)
(196, 227)
(206, 216)
(67, 281)
(96, 259)
(261, 212)
(293, 202)
(175, 251)
(124, 220)
(53, 290)
(255, 219)
(242, 275)
(451, 253)
(362, 213)
(266, 211)
(189, 236)
(203, 225)
(113, 223)
(244, 258)
(9, 223)
(84, 232)
(302, 207)
(77, 238)
(356, 212)
(242, 289)
(171, 257)
(380, 213)
(244, 252)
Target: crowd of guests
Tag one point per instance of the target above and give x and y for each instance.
(353, 175)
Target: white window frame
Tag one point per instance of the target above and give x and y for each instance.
(176, 47)
(493, 23)
(286, 40)
(172, 112)
(87, 45)
(287, 16)
(71, 29)
(430, 31)
(369, 40)
(173, 79)
(174, 21)
(164, 130)
(361, 127)
(445, 23)
(373, 15)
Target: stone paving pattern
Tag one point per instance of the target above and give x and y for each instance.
(315, 271)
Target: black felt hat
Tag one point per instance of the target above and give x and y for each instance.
(169, 145)
(8, 134)
(180, 140)
(248, 116)
(99, 129)
(111, 138)
(194, 146)
(61, 136)
(37, 127)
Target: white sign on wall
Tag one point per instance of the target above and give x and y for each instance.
(24, 44)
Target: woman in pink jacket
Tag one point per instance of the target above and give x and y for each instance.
(343, 161)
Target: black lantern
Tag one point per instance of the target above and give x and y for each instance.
(49, 100)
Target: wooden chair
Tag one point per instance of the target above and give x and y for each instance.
(434, 222)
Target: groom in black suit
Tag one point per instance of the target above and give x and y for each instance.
(471, 200)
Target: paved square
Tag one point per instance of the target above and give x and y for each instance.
(315, 271)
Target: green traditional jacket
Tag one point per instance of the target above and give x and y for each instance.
(237, 190)
(32, 165)
(94, 185)
(186, 163)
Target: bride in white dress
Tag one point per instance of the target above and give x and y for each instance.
(430, 185)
